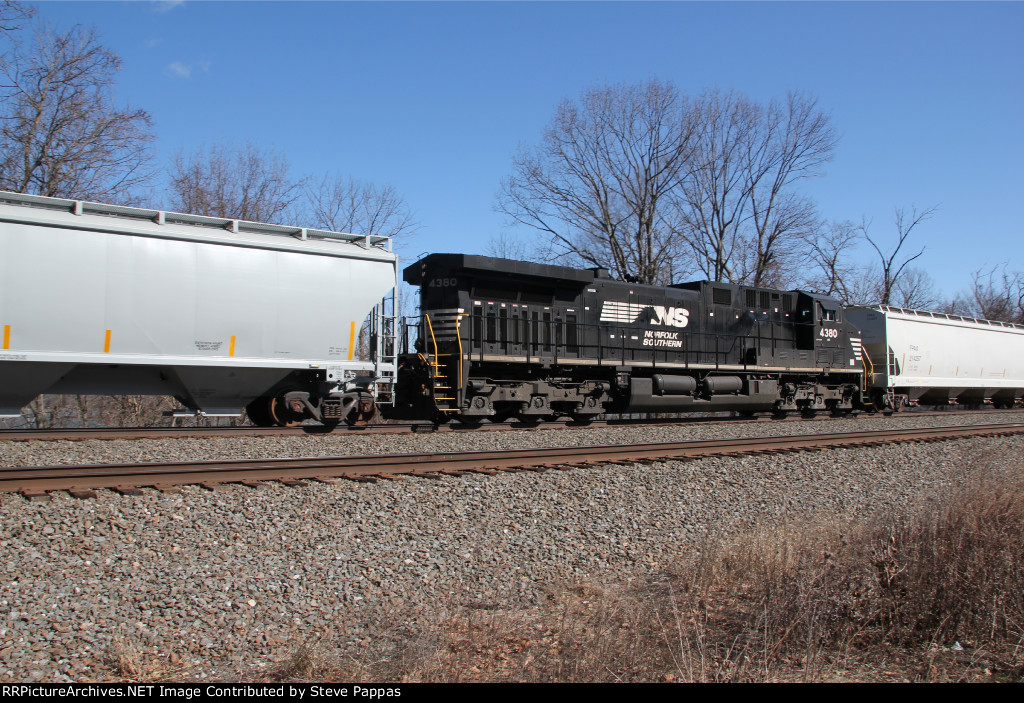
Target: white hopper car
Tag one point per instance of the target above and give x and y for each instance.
(932, 358)
(221, 314)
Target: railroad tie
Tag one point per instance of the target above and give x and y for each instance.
(128, 490)
(167, 488)
(35, 495)
(82, 493)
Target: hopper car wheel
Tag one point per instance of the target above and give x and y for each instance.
(258, 412)
(358, 419)
(362, 411)
(282, 415)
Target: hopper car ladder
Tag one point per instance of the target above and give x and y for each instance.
(384, 324)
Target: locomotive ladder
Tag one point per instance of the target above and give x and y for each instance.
(444, 399)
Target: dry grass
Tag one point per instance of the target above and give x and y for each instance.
(935, 595)
(125, 661)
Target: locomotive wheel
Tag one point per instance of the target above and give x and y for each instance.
(282, 415)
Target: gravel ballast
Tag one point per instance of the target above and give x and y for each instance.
(224, 584)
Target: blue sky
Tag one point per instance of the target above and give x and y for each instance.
(434, 98)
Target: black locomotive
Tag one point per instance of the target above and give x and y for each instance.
(500, 339)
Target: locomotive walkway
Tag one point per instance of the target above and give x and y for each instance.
(81, 481)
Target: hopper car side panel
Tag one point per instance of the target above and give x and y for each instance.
(118, 303)
(923, 357)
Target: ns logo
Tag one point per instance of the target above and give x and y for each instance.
(671, 317)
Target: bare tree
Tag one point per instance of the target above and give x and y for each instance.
(506, 246)
(830, 268)
(892, 263)
(915, 289)
(12, 14)
(61, 133)
(234, 181)
(742, 219)
(599, 182)
(350, 205)
(996, 294)
(648, 183)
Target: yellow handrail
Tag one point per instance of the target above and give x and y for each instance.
(869, 372)
(432, 339)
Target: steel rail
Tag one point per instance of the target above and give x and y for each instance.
(34, 481)
(82, 433)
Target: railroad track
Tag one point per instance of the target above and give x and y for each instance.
(76, 434)
(81, 481)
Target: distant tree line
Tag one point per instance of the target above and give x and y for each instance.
(660, 187)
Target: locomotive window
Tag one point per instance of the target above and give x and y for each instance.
(721, 296)
(828, 314)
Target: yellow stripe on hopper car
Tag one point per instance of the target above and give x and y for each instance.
(106, 343)
(7, 336)
(351, 339)
(231, 351)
